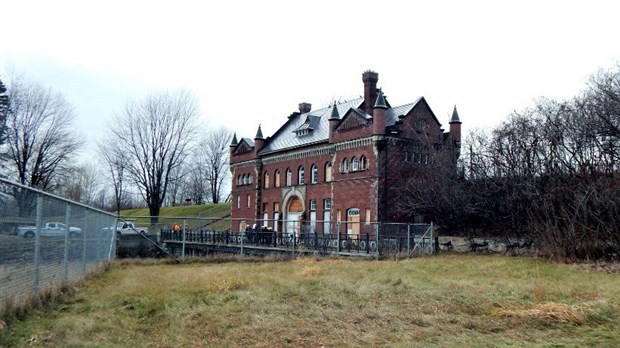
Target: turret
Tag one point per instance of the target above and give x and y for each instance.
(259, 141)
(333, 120)
(379, 118)
(233, 146)
(455, 127)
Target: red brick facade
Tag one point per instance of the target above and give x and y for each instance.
(370, 146)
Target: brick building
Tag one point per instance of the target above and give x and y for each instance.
(336, 164)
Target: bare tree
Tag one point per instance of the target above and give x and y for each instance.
(116, 162)
(40, 138)
(4, 109)
(156, 134)
(213, 154)
(81, 183)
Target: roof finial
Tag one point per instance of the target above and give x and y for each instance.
(234, 140)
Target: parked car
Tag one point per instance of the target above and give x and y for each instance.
(127, 228)
(49, 230)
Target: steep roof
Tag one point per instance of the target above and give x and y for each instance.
(313, 127)
(287, 136)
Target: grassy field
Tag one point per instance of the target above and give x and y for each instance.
(206, 211)
(446, 301)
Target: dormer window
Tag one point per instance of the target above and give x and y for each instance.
(308, 126)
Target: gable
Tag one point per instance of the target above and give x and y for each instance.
(422, 110)
(243, 147)
(352, 120)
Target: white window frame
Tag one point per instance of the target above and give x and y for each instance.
(289, 177)
(300, 175)
(313, 204)
(314, 174)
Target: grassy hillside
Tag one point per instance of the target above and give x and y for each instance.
(213, 216)
(443, 301)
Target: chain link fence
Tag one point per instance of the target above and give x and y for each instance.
(47, 241)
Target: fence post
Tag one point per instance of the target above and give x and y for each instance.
(113, 238)
(432, 239)
(84, 232)
(338, 238)
(183, 244)
(65, 262)
(377, 237)
(242, 234)
(37, 244)
(294, 241)
(408, 239)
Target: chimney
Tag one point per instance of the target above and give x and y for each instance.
(305, 107)
(370, 79)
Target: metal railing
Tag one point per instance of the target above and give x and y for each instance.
(47, 241)
(192, 234)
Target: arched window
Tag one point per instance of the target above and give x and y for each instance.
(328, 172)
(289, 177)
(314, 174)
(266, 180)
(244, 180)
(345, 165)
(239, 182)
(355, 164)
(277, 178)
(300, 175)
(249, 179)
(363, 163)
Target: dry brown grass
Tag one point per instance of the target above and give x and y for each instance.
(454, 300)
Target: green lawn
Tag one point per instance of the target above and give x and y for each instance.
(446, 301)
(216, 215)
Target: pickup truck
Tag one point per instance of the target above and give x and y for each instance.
(128, 227)
(50, 229)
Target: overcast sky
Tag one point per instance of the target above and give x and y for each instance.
(251, 62)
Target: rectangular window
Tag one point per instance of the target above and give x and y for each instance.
(326, 223)
(327, 204)
(265, 206)
(338, 215)
(315, 174)
(328, 172)
(276, 206)
(265, 219)
(249, 199)
(238, 202)
(276, 216)
(312, 204)
(367, 216)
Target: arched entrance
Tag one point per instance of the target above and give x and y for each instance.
(294, 212)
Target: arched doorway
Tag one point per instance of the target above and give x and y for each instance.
(294, 213)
